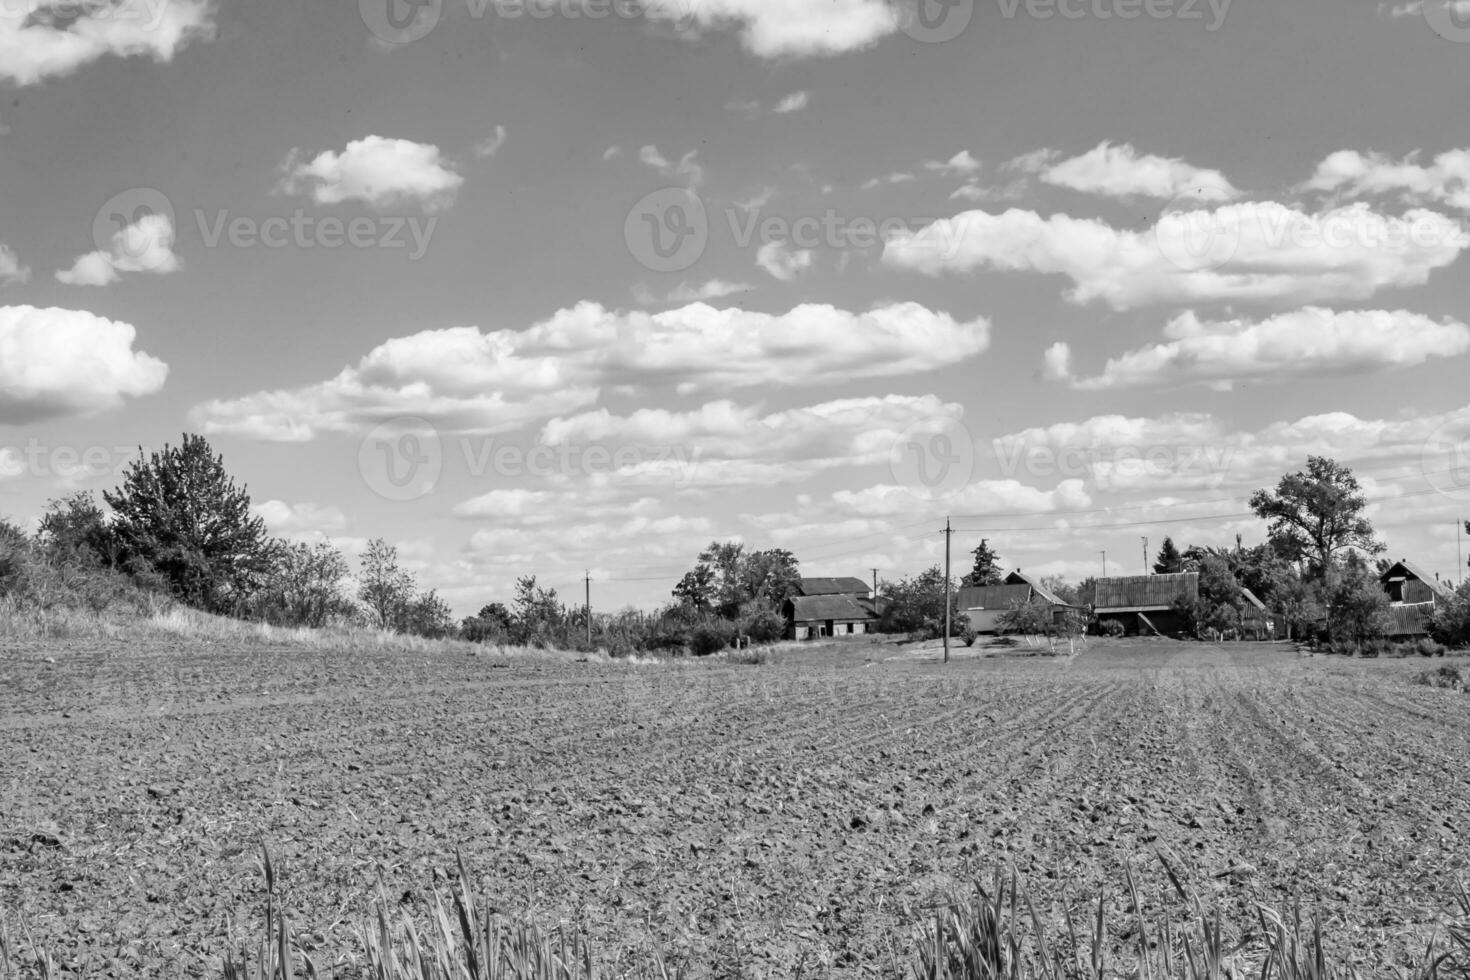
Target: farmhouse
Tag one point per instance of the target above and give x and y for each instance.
(985, 604)
(1144, 604)
(830, 607)
(1413, 595)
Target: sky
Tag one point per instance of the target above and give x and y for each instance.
(572, 288)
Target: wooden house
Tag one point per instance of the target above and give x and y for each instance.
(985, 604)
(1144, 604)
(828, 607)
(1413, 595)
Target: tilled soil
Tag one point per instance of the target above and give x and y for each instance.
(776, 820)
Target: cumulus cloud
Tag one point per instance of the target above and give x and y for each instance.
(490, 145)
(59, 362)
(1248, 251)
(961, 163)
(463, 379)
(379, 171)
(301, 521)
(782, 261)
(1310, 342)
(1057, 362)
(146, 245)
(1121, 171)
(51, 39)
(979, 497)
(1445, 180)
(711, 289)
(899, 177)
(687, 168)
(795, 102)
(786, 28)
(12, 273)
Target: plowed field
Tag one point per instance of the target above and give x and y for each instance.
(775, 820)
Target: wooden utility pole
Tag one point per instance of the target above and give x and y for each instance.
(1459, 555)
(948, 533)
(1105, 563)
(1145, 556)
(875, 583)
(588, 583)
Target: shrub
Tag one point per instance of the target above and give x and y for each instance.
(1426, 647)
(710, 638)
(1111, 627)
(763, 626)
(1448, 677)
(1450, 623)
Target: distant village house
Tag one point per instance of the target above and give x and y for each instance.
(986, 604)
(1413, 595)
(827, 607)
(1144, 604)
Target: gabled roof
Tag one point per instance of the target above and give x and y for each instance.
(848, 585)
(992, 596)
(1018, 578)
(1145, 592)
(1414, 570)
(813, 608)
(1252, 598)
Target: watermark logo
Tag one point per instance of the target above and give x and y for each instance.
(1445, 460)
(1196, 236)
(1450, 19)
(935, 21)
(1211, 13)
(402, 459)
(933, 459)
(400, 21)
(44, 460)
(668, 230)
(122, 227)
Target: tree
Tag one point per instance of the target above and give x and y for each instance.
(180, 514)
(770, 576)
(1169, 559)
(1450, 623)
(74, 529)
(428, 615)
(304, 586)
(491, 624)
(916, 605)
(537, 612)
(727, 577)
(987, 566)
(696, 588)
(1064, 590)
(1317, 513)
(385, 588)
(1357, 609)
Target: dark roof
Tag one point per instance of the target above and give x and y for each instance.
(992, 596)
(833, 586)
(1414, 570)
(1145, 592)
(815, 608)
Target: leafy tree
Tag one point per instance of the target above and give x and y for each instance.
(74, 529)
(727, 577)
(916, 605)
(428, 615)
(1357, 609)
(1317, 513)
(1450, 624)
(538, 613)
(305, 585)
(697, 587)
(1064, 590)
(1026, 618)
(987, 566)
(179, 513)
(770, 576)
(493, 623)
(385, 589)
(1169, 559)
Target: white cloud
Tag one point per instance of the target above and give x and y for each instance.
(462, 379)
(12, 273)
(50, 38)
(490, 145)
(1262, 252)
(56, 362)
(376, 170)
(979, 497)
(1305, 343)
(1057, 362)
(146, 245)
(795, 102)
(301, 521)
(687, 168)
(961, 163)
(893, 178)
(1121, 171)
(787, 28)
(782, 261)
(612, 153)
(712, 289)
(1352, 174)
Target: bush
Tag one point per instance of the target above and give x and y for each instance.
(1427, 647)
(763, 626)
(1450, 623)
(710, 638)
(1447, 677)
(1111, 627)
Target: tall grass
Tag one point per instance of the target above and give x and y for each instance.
(994, 932)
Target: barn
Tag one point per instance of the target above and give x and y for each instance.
(1413, 595)
(985, 604)
(1144, 604)
(824, 607)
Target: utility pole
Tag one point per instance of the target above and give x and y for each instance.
(1459, 555)
(588, 583)
(948, 533)
(1145, 556)
(875, 583)
(1105, 563)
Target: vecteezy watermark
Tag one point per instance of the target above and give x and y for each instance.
(1019, 458)
(35, 458)
(1450, 19)
(934, 21)
(403, 459)
(933, 459)
(1200, 236)
(670, 229)
(405, 21)
(148, 13)
(1445, 460)
(140, 225)
(1211, 13)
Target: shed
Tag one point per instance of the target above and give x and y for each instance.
(1413, 595)
(816, 616)
(1145, 603)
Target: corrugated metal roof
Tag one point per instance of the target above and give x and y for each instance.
(1145, 591)
(816, 608)
(848, 585)
(992, 596)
